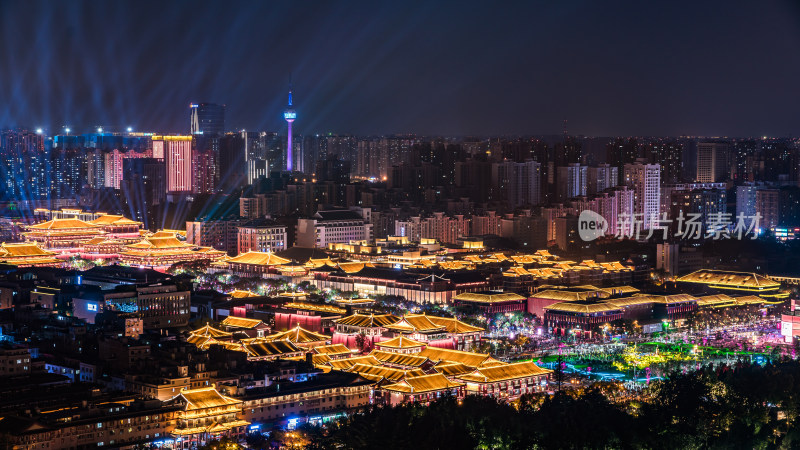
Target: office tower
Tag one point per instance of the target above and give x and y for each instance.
(207, 118)
(178, 160)
(712, 162)
(600, 178)
(289, 114)
(571, 181)
(645, 181)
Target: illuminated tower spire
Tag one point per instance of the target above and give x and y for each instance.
(289, 114)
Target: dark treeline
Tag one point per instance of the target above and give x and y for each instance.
(722, 407)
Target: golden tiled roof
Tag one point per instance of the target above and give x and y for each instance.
(298, 335)
(422, 322)
(455, 326)
(322, 307)
(488, 297)
(399, 359)
(206, 397)
(715, 300)
(750, 300)
(112, 219)
(629, 301)
(452, 369)
(368, 320)
(504, 372)
(352, 267)
(454, 356)
(236, 293)
(208, 330)
(423, 384)
(376, 373)
(354, 301)
(332, 349)
(346, 363)
(730, 279)
(400, 342)
(620, 290)
(272, 348)
(63, 224)
(259, 258)
(666, 299)
(570, 296)
(241, 322)
(582, 308)
(22, 249)
(159, 243)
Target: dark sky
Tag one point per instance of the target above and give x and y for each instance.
(458, 68)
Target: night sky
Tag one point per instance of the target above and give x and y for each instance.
(457, 68)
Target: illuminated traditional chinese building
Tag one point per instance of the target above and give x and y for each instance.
(419, 287)
(262, 350)
(205, 415)
(431, 330)
(27, 255)
(729, 281)
(492, 302)
(162, 250)
(422, 389)
(319, 318)
(63, 236)
(300, 337)
(102, 247)
(506, 381)
(254, 264)
(67, 236)
(251, 328)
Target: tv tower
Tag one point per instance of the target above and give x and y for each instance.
(289, 114)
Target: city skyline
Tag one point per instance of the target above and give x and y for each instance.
(619, 69)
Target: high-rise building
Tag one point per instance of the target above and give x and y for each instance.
(289, 114)
(178, 159)
(645, 181)
(261, 235)
(571, 181)
(207, 118)
(24, 161)
(600, 178)
(667, 154)
(518, 183)
(746, 200)
(768, 206)
(712, 162)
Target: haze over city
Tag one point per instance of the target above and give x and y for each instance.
(713, 68)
